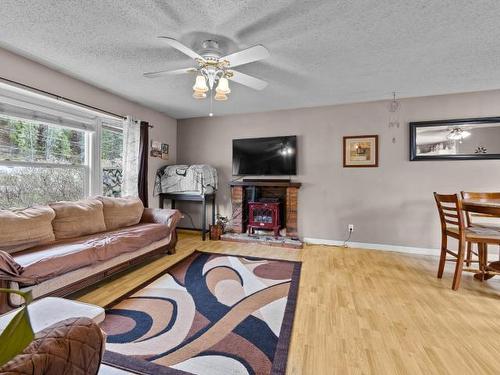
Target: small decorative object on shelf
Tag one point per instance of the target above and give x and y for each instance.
(218, 229)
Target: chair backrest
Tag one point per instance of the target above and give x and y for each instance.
(450, 211)
(479, 196)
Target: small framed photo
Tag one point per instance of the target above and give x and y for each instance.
(155, 149)
(159, 150)
(164, 151)
(361, 151)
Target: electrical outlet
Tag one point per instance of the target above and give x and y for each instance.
(351, 227)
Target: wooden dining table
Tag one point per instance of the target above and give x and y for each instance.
(491, 208)
(482, 206)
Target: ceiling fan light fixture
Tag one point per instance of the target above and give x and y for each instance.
(458, 134)
(200, 84)
(199, 94)
(223, 86)
(220, 97)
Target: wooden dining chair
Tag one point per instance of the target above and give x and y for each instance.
(454, 225)
(481, 220)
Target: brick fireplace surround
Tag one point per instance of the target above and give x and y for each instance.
(286, 191)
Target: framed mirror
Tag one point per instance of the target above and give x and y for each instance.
(463, 139)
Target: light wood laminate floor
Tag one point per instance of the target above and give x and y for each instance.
(367, 312)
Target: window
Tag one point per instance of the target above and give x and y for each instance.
(111, 161)
(40, 163)
(36, 142)
(50, 151)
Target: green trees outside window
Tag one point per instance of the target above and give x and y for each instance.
(44, 163)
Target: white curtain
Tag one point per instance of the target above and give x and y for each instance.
(131, 138)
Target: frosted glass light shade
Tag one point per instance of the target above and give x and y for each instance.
(223, 86)
(220, 97)
(200, 84)
(199, 95)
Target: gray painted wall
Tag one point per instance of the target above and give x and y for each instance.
(28, 72)
(392, 204)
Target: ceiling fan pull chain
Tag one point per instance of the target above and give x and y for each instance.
(211, 113)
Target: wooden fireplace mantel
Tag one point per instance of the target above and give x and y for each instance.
(287, 190)
(279, 183)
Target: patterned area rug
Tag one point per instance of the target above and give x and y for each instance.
(209, 314)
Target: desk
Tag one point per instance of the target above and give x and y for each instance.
(203, 198)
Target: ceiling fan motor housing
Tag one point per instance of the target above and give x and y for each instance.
(210, 50)
(212, 68)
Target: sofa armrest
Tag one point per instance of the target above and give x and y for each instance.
(11, 275)
(164, 216)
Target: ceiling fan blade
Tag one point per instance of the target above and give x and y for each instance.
(181, 47)
(245, 79)
(169, 72)
(255, 53)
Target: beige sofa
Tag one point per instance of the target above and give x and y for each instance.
(66, 246)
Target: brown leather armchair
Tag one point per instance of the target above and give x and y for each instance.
(72, 346)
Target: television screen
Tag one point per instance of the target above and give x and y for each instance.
(274, 156)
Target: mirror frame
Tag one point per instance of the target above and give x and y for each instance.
(468, 121)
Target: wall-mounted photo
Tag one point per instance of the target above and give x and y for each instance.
(477, 138)
(361, 151)
(159, 150)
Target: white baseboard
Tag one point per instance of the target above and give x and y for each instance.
(374, 246)
(492, 250)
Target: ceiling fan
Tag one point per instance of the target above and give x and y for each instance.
(214, 70)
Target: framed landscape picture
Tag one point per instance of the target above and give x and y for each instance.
(361, 151)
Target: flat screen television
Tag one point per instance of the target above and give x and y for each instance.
(273, 156)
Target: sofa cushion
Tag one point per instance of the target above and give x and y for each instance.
(22, 229)
(76, 219)
(45, 262)
(121, 212)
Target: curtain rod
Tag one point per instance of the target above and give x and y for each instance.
(62, 98)
(58, 97)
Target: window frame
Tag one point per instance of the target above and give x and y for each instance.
(91, 123)
(113, 127)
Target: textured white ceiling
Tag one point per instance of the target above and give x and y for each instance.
(322, 52)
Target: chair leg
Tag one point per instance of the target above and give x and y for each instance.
(480, 252)
(460, 265)
(485, 261)
(442, 258)
(468, 259)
